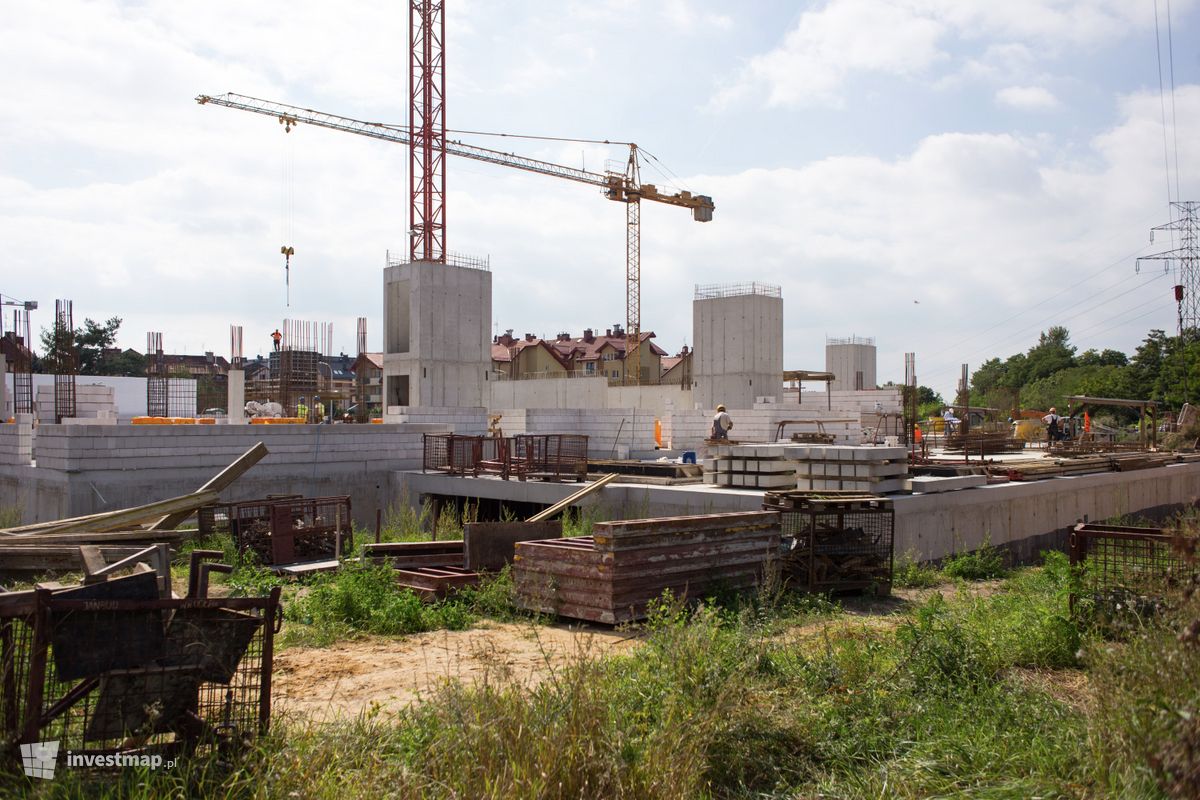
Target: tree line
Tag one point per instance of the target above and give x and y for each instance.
(1163, 368)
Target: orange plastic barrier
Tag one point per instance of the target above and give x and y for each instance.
(277, 421)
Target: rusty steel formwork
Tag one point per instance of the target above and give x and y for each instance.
(1126, 568)
(287, 530)
(115, 667)
(551, 457)
(614, 575)
(835, 541)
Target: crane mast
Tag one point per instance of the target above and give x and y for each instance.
(427, 210)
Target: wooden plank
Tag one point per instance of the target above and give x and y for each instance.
(565, 503)
(121, 519)
(92, 558)
(219, 482)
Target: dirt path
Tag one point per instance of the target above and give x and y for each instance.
(351, 677)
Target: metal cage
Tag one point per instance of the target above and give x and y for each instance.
(160, 675)
(1129, 568)
(836, 541)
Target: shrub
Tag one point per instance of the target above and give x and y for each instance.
(912, 574)
(977, 565)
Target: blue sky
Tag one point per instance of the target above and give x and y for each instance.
(1000, 163)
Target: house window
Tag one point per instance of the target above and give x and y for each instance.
(609, 356)
(590, 368)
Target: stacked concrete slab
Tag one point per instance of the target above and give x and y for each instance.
(16, 441)
(91, 401)
(877, 470)
(764, 466)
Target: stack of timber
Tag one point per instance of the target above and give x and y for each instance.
(1038, 469)
(658, 473)
(983, 442)
(751, 466)
(51, 546)
(613, 575)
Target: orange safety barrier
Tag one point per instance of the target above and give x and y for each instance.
(277, 421)
(163, 421)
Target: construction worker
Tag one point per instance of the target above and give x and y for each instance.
(302, 410)
(277, 337)
(319, 407)
(721, 423)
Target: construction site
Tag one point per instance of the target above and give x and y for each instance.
(600, 475)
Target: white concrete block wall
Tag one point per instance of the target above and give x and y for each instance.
(90, 400)
(16, 441)
(688, 429)
(83, 448)
(466, 421)
(604, 427)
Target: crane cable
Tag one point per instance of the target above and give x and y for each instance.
(287, 203)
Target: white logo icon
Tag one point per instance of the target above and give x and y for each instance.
(39, 759)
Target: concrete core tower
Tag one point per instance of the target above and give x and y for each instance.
(437, 321)
(737, 332)
(852, 362)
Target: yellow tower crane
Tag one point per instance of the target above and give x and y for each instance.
(623, 187)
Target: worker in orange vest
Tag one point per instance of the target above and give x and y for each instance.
(276, 337)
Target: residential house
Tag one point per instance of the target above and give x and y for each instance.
(368, 372)
(566, 357)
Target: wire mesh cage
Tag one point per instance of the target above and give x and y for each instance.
(552, 456)
(283, 531)
(836, 541)
(452, 453)
(1129, 568)
(142, 674)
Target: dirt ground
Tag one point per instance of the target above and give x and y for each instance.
(351, 677)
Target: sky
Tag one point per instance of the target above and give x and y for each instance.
(950, 177)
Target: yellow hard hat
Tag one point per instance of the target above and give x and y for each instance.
(720, 407)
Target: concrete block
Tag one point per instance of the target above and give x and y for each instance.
(775, 481)
(928, 484)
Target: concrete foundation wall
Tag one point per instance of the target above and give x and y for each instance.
(89, 468)
(935, 526)
(1022, 516)
(738, 352)
(437, 332)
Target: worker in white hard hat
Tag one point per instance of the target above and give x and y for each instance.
(721, 423)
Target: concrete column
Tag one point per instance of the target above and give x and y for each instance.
(235, 408)
(4, 388)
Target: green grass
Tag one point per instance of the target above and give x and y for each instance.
(364, 599)
(715, 703)
(10, 516)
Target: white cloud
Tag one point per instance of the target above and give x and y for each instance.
(827, 45)
(846, 37)
(1027, 98)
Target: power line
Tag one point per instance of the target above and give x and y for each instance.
(1056, 319)
(1162, 102)
(1174, 118)
(1042, 302)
